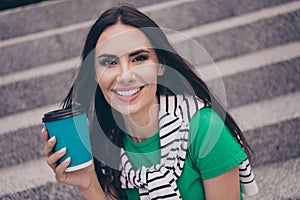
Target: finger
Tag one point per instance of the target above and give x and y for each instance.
(60, 173)
(48, 147)
(53, 159)
(45, 135)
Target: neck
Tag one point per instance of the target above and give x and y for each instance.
(141, 128)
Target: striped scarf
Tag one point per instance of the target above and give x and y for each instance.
(159, 181)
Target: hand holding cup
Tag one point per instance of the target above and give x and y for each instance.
(67, 145)
(80, 178)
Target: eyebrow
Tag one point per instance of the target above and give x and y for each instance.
(130, 55)
(138, 52)
(107, 56)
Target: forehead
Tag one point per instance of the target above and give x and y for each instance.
(119, 39)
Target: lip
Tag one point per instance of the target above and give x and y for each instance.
(128, 98)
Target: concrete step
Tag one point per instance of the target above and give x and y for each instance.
(269, 145)
(53, 14)
(51, 190)
(68, 42)
(265, 123)
(278, 180)
(275, 181)
(261, 122)
(250, 37)
(29, 94)
(264, 83)
(266, 80)
(21, 146)
(38, 183)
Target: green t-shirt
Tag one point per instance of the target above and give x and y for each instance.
(211, 152)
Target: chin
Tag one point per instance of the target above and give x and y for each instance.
(126, 110)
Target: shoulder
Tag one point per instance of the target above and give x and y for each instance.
(207, 116)
(203, 120)
(212, 147)
(206, 123)
(206, 127)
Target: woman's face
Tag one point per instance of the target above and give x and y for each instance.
(126, 68)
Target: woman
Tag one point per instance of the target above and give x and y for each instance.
(150, 114)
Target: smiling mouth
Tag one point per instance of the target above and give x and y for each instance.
(127, 93)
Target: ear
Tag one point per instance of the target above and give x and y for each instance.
(161, 70)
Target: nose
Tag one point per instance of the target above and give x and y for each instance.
(126, 74)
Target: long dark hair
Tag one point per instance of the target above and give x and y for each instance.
(86, 91)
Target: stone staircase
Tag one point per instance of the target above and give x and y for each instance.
(254, 44)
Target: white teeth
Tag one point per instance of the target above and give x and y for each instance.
(128, 92)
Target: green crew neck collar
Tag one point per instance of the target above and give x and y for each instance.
(143, 143)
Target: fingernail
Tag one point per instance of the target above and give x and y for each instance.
(67, 160)
(52, 139)
(63, 150)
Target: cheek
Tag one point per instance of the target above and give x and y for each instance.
(102, 84)
(104, 78)
(148, 73)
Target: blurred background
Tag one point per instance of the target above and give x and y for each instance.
(255, 46)
(8, 4)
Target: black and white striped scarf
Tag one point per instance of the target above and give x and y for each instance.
(159, 181)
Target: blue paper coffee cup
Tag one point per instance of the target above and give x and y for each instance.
(70, 128)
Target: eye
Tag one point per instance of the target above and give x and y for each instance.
(140, 58)
(107, 62)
